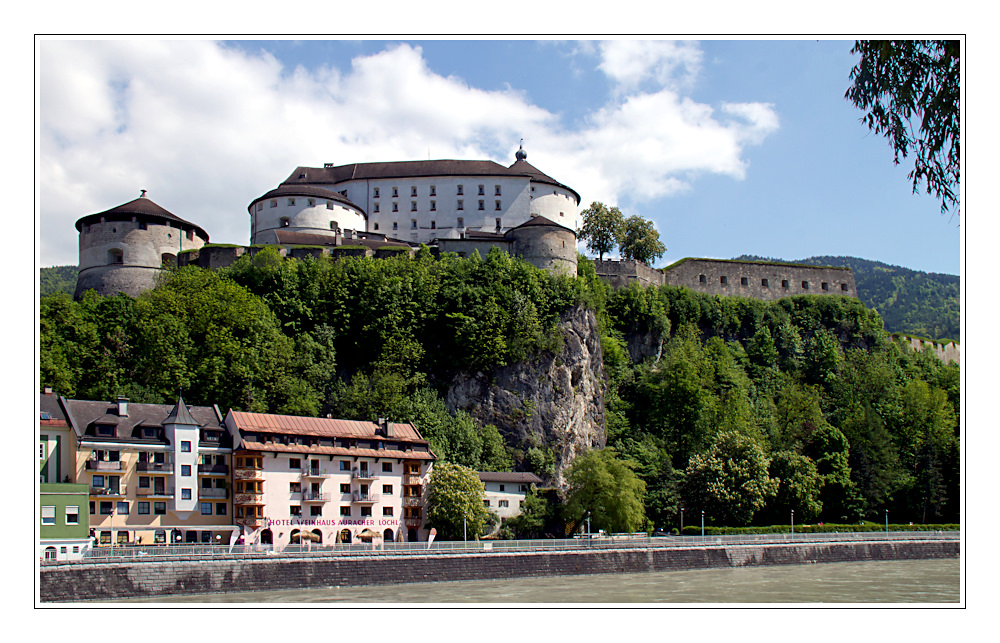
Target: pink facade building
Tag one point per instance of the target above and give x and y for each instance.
(322, 480)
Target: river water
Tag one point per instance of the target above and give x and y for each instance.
(905, 581)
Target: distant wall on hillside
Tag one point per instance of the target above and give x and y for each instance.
(946, 351)
(759, 280)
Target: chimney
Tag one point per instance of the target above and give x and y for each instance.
(122, 407)
(383, 425)
(47, 390)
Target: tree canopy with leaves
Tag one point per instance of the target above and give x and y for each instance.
(608, 490)
(455, 502)
(639, 241)
(602, 228)
(898, 82)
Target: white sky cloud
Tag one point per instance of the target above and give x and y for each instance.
(207, 128)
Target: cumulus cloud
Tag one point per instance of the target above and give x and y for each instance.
(206, 127)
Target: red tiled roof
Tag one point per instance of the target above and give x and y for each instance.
(295, 425)
(321, 450)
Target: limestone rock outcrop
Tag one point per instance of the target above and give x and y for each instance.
(554, 402)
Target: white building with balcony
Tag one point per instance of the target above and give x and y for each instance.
(505, 491)
(324, 480)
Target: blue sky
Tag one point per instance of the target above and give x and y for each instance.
(730, 147)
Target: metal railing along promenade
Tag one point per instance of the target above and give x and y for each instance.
(132, 553)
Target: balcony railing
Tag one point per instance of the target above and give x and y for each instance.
(206, 492)
(163, 493)
(104, 491)
(166, 467)
(309, 496)
(248, 499)
(412, 501)
(357, 496)
(102, 465)
(315, 473)
(412, 479)
(412, 522)
(248, 474)
(363, 474)
(213, 468)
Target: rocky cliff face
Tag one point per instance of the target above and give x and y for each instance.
(553, 403)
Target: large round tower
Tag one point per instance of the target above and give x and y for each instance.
(123, 249)
(302, 208)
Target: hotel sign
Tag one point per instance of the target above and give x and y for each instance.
(366, 522)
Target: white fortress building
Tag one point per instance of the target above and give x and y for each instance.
(413, 201)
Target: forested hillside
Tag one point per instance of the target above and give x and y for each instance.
(740, 408)
(57, 279)
(925, 304)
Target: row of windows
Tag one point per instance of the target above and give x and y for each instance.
(159, 537)
(345, 511)
(291, 201)
(376, 192)
(72, 515)
(142, 225)
(765, 283)
(459, 205)
(414, 224)
(296, 464)
(142, 507)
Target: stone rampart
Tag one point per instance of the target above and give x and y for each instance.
(759, 280)
(946, 351)
(620, 274)
(75, 581)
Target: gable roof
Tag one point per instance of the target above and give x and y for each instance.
(509, 476)
(321, 427)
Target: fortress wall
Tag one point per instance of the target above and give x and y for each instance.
(546, 247)
(620, 274)
(945, 351)
(110, 280)
(76, 581)
(766, 281)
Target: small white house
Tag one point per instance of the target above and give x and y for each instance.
(505, 491)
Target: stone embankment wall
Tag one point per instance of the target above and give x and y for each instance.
(84, 581)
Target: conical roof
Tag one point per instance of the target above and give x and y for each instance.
(181, 415)
(143, 209)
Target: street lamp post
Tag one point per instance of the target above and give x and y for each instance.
(793, 522)
(588, 523)
(886, 523)
(682, 521)
(703, 524)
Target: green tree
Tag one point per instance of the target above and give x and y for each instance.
(901, 81)
(730, 481)
(639, 241)
(799, 487)
(602, 227)
(536, 512)
(455, 502)
(608, 489)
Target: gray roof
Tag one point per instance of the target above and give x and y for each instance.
(509, 476)
(85, 415)
(181, 414)
(304, 190)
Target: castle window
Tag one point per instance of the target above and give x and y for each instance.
(481, 190)
(805, 285)
(433, 191)
(395, 225)
(702, 279)
(461, 222)
(744, 281)
(260, 206)
(498, 205)
(784, 283)
(433, 206)
(413, 190)
(274, 203)
(395, 207)
(190, 235)
(376, 225)
(395, 192)
(825, 286)
(433, 225)
(312, 202)
(375, 193)
(413, 224)
(562, 214)
(481, 205)
(329, 205)
(843, 287)
(284, 222)
(413, 206)
(142, 225)
(724, 281)
(333, 225)
(496, 191)
(764, 283)
(460, 190)
(459, 204)
(115, 257)
(291, 201)
(498, 223)
(375, 208)
(168, 260)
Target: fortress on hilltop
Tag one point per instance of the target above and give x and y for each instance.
(383, 209)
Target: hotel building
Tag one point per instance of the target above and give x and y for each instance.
(324, 480)
(156, 473)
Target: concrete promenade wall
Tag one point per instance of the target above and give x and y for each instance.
(79, 582)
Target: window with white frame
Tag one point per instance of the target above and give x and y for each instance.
(72, 514)
(49, 515)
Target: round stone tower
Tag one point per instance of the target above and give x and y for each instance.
(545, 244)
(123, 249)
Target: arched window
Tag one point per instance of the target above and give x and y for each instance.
(294, 536)
(115, 257)
(319, 535)
(266, 537)
(387, 535)
(345, 536)
(168, 260)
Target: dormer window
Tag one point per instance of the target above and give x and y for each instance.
(105, 429)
